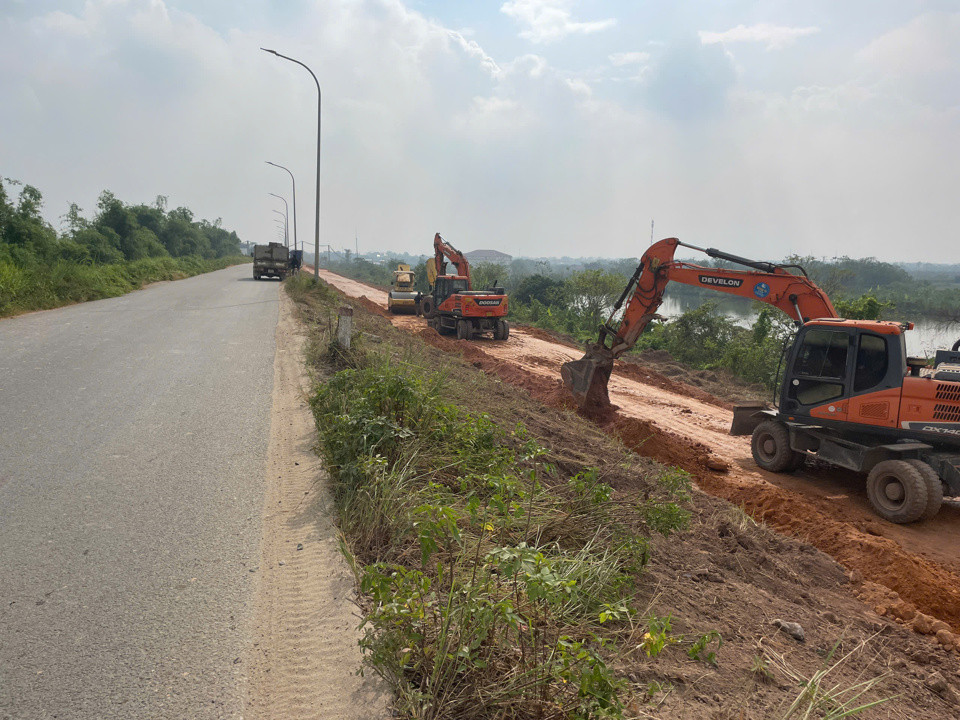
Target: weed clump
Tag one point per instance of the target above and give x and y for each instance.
(495, 593)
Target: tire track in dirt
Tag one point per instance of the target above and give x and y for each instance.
(692, 433)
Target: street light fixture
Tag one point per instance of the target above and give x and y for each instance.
(316, 243)
(286, 220)
(293, 180)
(286, 237)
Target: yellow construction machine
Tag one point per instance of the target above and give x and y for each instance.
(403, 295)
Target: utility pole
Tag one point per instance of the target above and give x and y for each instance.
(294, 181)
(286, 236)
(316, 237)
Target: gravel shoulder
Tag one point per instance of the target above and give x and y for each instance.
(304, 655)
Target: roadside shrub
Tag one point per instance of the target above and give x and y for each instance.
(493, 593)
(39, 287)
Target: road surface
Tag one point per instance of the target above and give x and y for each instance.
(133, 436)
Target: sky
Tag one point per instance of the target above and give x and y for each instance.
(533, 127)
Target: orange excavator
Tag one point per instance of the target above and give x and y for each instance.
(849, 395)
(453, 306)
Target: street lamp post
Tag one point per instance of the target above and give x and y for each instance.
(286, 236)
(286, 220)
(316, 241)
(293, 180)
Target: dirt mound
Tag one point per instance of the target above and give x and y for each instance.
(549, 336)
(550, 392)
(652, 377)
(373, 307)
(714, 384)
(924, 586)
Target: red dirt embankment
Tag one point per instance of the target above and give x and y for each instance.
(911, 573)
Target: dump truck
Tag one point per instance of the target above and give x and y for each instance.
(403, 295)
(271, 260)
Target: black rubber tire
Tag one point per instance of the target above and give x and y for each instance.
(427, 308)
(771, 449)
(506, 330)
(463, 329)
(897, 491)
(799, 460)
(934, 488)
(498, 330)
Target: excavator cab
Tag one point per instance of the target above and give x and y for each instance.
(845, 370)
(446, 285)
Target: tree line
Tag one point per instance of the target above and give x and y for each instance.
(574, 298)
(118, 249)
(117, 231)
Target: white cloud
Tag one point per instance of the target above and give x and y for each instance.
(472, 48)
(546, 21)
(918, 62)
(775, 37)
(628, 58)
(426, 128)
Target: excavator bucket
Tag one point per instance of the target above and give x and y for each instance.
(587, 379)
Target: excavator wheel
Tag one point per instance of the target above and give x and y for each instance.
(934, 488)
(464, 331)
(897, 491)
(771, 448)
(427, 307)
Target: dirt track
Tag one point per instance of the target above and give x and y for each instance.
(906, 568)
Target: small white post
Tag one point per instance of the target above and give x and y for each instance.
(345, 326)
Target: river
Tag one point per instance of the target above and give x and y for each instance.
(923, 341)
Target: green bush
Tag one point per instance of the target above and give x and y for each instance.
(40, 287)
(489, 588)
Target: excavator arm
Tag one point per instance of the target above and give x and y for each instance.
(794, 294)
(444, 251)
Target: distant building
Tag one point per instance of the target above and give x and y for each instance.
(488, 256)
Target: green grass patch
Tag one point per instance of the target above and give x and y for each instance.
(499, 584)
(41, 287)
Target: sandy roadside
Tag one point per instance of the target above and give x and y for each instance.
(305, 653)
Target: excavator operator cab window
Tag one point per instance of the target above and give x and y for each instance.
(448, 286)
(819, 367)
(872, 362)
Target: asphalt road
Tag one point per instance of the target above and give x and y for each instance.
(133, 438)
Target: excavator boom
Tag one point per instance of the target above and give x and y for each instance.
(444, 251)
(773, 284)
